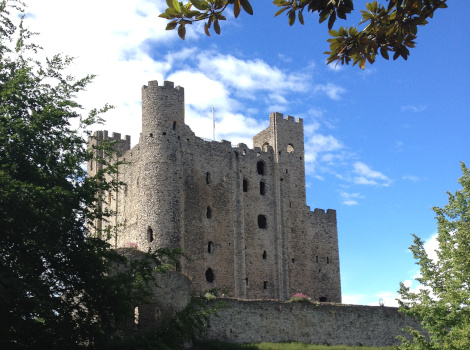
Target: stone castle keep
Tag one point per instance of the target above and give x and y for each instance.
(239, 214)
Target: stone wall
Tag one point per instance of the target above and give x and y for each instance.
(244, 321)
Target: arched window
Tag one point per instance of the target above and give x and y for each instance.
(149, 234)
(260, 167)
(262, 188)
(209, 247)
(245, 185)
(265, 147)
(262, 221)
(209, 212)
(210, 275)
(264, 254)
(290, 148)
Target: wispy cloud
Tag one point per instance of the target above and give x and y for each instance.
(350, 198)
(331, 90)
(366, 176)
(412, 108)
(411, 178)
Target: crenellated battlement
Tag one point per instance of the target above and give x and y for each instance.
(329, 214)
(115, 136)
(153, 84)
(276, 118)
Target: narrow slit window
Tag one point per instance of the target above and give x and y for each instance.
(265, 285)
(265, 255)
(208, 178)
(260, 167)
(209, 247)
(316, 258)
(262, 221)
(208, 212)
(210, 275)
(245, 185)
(262, 188)
(246, 281)
(327, 260)
(149, 234)
(174, 125)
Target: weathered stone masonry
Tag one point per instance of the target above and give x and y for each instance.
(240, 214)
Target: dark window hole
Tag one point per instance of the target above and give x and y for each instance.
(262, 188)
(262, 221)
(209, 275)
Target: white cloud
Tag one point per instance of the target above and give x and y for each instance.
(412, 108)
(331, 90)
(367, 176)
(411, 178)
(350, 198)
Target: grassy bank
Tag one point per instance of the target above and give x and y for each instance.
(279, 346)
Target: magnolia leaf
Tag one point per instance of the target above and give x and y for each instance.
(200, 5)
(217, 26)
(332, 20)
(172, 25)
(291, 17)
(384, 52)
(236, 8)
(247, 6)
(280, 11)
(301, 17)
(206, 29)
(182, 31)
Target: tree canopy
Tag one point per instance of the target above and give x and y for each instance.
(58, 288)
(443, 303)
(388, 28)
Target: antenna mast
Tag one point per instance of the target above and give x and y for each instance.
(213, 125)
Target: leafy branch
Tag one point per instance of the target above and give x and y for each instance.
(392, 28)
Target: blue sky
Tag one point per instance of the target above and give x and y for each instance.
(383, 145)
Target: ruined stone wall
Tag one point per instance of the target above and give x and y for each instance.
(238, 213)
(314, 323)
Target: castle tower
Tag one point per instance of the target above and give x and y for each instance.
(160, 185)
(286, 137)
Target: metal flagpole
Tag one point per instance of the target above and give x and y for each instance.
(213, 125)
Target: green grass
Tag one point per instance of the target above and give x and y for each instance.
(279, 346)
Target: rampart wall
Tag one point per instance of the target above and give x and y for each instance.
(247, 321)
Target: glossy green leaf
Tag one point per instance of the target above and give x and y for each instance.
(247, 6)
(172, 25)
(182, 31)
(236, 8)
(200, 4)
(280, 11)
(291, 17)
(217, 26)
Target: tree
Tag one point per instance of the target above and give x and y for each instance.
(443, 304)
(392, 28)
(58, 288)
